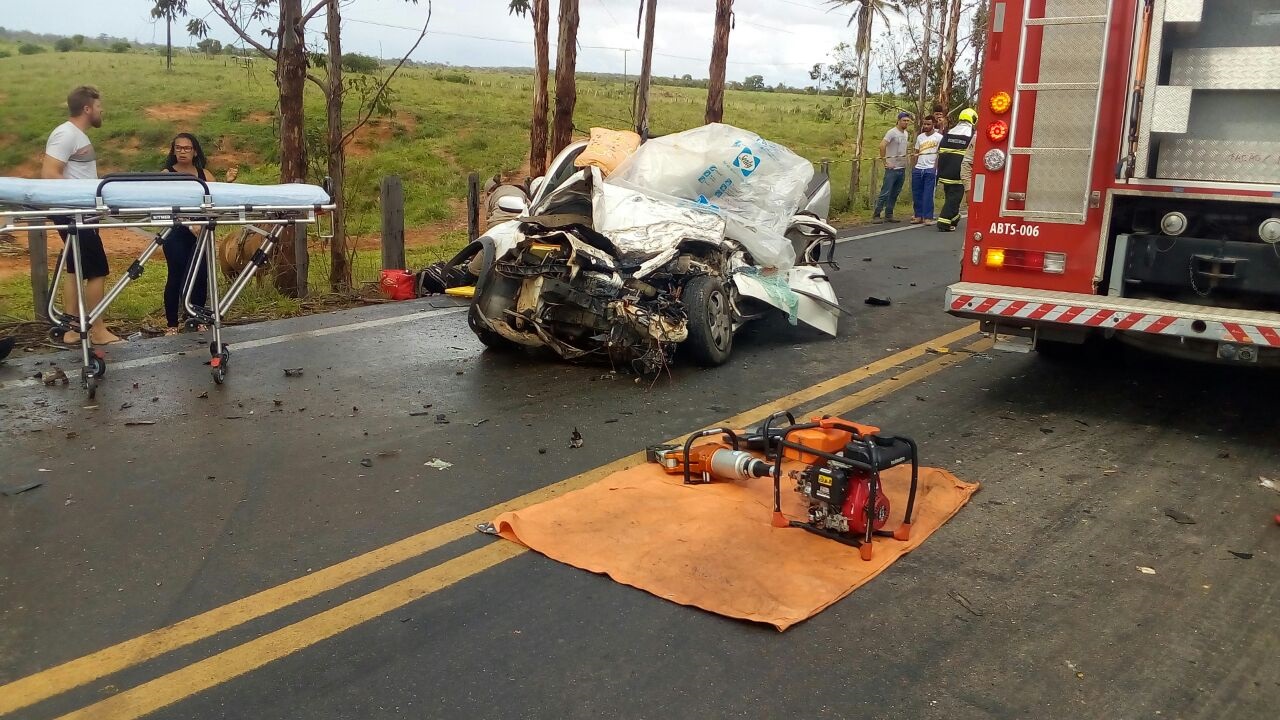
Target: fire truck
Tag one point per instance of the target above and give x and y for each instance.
(1126, 178)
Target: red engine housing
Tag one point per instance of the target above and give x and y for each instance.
(855, 506)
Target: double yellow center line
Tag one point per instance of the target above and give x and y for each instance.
(219, 668)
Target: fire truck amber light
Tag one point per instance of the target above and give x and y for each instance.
(995, 258)
(998, 131)
(994, 160)
(1001, 102)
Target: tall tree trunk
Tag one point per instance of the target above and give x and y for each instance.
(719, 58)
(949, 55)
(926, 59)
(291, 75)
(566, 85)
(339, 264)
(646, 71)
(541, 64)
(980, 20)
(864, 69)
(168, 42)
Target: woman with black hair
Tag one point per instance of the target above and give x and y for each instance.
(187, 157)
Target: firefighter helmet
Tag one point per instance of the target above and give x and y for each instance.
(969, 115)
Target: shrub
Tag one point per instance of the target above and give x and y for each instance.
(454, 77)
(120, 46)
(30, 49)
(64, 45)
(357, 63)
(5, 53)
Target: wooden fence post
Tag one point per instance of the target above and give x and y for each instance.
(392, 223)
(873, 191)
(473, 206)
(38, 249)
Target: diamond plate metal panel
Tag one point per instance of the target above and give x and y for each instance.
(1184, 11)
(1070, 54)
(1227, 68)
(1220, 160)
(1171, 109)
(1057, 182)
(1064, 119)
(1143, 154)
(1074, 8)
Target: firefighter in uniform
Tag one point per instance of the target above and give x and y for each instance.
(951, 156)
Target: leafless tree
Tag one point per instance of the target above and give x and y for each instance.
(287, 48)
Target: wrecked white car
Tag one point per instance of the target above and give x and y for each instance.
(629, 268)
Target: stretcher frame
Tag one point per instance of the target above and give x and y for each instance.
(202, 220)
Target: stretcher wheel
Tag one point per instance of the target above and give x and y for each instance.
(97, 366)
(218, 366)
(88, 378)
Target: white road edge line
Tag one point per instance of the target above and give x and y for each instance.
(263, 342)
(840, 240)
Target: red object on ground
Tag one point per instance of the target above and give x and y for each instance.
(397, 284)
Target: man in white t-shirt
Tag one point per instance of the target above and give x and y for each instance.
(924, 176)
(69, 155)
(893, 153)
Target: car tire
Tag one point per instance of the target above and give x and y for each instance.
(487, 337)
(710, 339)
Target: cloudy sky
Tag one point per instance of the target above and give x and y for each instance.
(779, 39)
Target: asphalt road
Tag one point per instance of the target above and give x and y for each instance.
(237, 559)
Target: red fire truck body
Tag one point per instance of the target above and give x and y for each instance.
(1126, 177)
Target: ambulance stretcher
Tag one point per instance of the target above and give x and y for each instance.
(163, 202)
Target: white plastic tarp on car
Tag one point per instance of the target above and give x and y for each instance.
(754, 184)
(643, 228)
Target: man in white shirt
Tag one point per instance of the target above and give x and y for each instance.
(924, 176)
(69, 155)
(893, 153)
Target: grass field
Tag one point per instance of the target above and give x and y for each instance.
(447, 123)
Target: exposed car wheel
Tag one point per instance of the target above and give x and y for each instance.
(489, 338)
(710, 321)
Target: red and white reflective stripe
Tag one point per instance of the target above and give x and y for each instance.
(1158, 324)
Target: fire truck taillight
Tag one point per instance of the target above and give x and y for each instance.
(1001, 102)
(998, 130)
(1049, 262)
(994, 160)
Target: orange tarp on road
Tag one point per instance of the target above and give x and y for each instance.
(713, 547)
